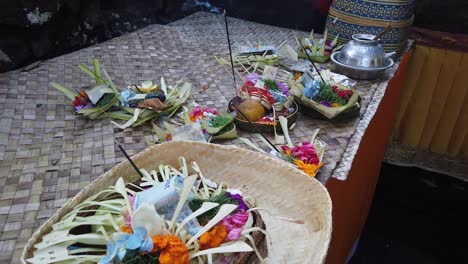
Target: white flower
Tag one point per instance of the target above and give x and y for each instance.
(234, 191)
(36, 17)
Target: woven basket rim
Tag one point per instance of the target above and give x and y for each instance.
(321, 199)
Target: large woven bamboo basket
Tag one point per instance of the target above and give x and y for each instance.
(277, 186)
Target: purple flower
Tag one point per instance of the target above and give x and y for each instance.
(223, 259)
(284, 89)
(253, 77)
(79, 107)
(242, 207)
(325, 103)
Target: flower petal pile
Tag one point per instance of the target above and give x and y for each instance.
(304, 156)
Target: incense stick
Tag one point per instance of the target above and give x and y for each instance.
(136, 86)
(234, 78)
(313, 64)
(230, 50)
(384, 31)
(128, 158)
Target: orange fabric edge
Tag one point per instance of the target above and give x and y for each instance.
(352, 198)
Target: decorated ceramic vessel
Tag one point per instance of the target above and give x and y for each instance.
(348, 17)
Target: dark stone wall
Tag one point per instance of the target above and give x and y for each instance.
(296, 14)
(39, 29)
(34, 30)
(442, 15)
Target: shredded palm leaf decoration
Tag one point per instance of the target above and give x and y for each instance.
(82, 234)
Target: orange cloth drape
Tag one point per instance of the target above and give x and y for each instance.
(433, 113)
(352, 198)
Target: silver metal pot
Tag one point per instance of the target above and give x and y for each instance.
(362, 58)
(360, 73)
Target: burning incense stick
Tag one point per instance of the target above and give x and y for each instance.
(384, 31)
(234, 78)
(128, 158)
(230, 50)
(313, 64)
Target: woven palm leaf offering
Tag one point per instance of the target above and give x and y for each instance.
(167, 217)
(148, 101)
(199, 124)
(306, 156)
(95, 99)
(319, 49)
(250, 58)
(262, 100)
(329, 97)
(205, 212)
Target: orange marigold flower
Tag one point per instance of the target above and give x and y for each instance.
(297, 75)
(193, 118)
(335, 105)
(310, 169)
(214, 237)
(83, 94)
(171, 250)
(126, 229)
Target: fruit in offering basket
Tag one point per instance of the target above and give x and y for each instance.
(152, 103)
(252, 109)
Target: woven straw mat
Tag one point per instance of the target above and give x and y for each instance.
(47, 154)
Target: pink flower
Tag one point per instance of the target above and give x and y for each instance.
(306, 153)
(195, 113)
(342, 94)
(199, 112)
(286, 149)
(234, 224)
(81, 102)
(128, 217)
(210, 110)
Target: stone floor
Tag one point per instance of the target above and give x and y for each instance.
(47, 154)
